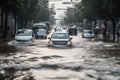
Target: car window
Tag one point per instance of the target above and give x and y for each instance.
(89, 32)
(41, 31)
(39, 27)
(60, 36)
(24, 33)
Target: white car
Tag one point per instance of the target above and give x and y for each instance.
(58, 29)
(87, 34)
(41, 33)
(60, 38)
(24, 36)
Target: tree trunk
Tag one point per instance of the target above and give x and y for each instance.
(90, 24)
(6, 28)
(114, 28)
(21, 22)
(105, 30)
(2, 18)
(95, 24)
(15, 27)
(82, 25)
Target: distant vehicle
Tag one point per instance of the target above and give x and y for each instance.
(41, 33)
(39, 26)
(42, 25)
(48, 26)
(58, 29)
(24, 36)
(72, 31)
(60, 38)
(87, 34)
(64, 27)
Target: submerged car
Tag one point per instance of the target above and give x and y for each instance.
(87, 34)
(24, 36)
(60, 38)
(41, 33)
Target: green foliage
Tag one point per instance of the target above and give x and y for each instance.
(27, 10)
(23, 11)
(70, 16)
(97, 9)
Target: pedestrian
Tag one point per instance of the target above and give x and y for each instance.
(96, 32)
(108, 36)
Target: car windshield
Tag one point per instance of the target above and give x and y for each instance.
(39, 27)
(88, 32)
(60, 36)
(24, 33)
(41, 31)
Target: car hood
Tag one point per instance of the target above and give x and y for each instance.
(23, 37)
(59, 39)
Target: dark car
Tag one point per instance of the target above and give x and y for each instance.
(72, 31)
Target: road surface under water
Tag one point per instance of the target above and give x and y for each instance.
(85, 60)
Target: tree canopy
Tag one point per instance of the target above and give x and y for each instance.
(97, 10)
(23, 11)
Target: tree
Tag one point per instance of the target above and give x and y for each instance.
(23, 11)
(70, 16)
(99, 10)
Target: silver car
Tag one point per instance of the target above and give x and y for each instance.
(87, 34)
(60, 38)
(41, 33)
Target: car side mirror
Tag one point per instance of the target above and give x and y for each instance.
(70, 39)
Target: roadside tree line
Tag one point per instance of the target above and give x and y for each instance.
(23, 12)
(94, 10)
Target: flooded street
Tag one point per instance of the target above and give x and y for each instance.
(85, 60)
